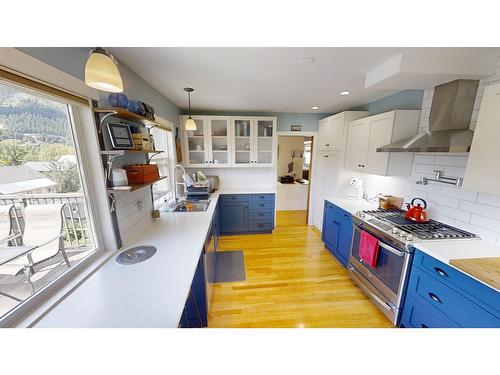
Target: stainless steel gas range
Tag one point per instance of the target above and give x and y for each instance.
(385, 284)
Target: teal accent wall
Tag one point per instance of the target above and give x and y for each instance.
(72, 60)
(308, 121)
(407, 99)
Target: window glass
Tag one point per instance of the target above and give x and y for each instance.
(45, 227)
(162, 190)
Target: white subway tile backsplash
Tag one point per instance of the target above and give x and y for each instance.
(485, 222)
(454, 171)
(481, 209)
(451, 213)
(489, 199)
(423, 159)
(459, 193)
(452, 161)
(443, 200)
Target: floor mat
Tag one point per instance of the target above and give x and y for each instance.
(229, 266)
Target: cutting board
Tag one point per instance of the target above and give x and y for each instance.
(485, 269)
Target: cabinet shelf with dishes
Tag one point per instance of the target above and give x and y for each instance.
(226, 141)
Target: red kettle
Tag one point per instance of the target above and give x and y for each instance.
(417, 213)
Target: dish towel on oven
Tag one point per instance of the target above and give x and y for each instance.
(368, 249)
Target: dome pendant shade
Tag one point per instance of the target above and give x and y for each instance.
(101, 72)
(190, 124)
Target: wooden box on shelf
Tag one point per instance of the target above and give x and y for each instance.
(142, 174)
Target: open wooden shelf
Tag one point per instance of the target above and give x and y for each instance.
(128, 152)
(134, 187)
(126, 115)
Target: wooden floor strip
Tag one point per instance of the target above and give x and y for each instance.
(292, 281)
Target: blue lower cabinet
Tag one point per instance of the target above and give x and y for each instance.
(438, 296)
(234, 217)
(246, 213)
(195, 311)
(337, 232)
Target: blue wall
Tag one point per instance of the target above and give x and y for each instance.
(72, 61)
(309, 121)
(407, 99)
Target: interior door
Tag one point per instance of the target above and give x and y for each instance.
(195, 143)
(357, 145)
(263, 141)
(242, 136)
(219, 140)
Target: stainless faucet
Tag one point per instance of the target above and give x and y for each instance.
(176, 183)
(457, 181)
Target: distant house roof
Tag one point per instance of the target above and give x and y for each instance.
(39, 166)
(67, 159)
(19, 179)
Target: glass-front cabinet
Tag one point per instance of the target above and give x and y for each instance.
(230, 141)
(195, 142)
(265, 129)
(243, 133)
(219, 140)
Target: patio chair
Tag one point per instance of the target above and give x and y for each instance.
(6, 232)
(43, 231)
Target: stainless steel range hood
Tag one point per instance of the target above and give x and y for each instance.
(449, 121)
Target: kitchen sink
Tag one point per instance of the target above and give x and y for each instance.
(192, 206)
(135, 255)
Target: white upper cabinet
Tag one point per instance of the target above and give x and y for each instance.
(333, 130)
(196, 152)
(482, 172)
(223, 141)
(369, 133)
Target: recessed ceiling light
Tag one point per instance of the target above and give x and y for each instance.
(305, 61)
(315, 107)
(344, 93)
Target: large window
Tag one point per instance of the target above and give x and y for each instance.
(162, 190)
(45, 226)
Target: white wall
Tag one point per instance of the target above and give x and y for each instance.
(469, 210)
(241, 178)
(133, 210)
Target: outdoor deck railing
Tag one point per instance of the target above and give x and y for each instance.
(75, 224)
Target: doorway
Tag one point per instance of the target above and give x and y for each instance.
(293, 172)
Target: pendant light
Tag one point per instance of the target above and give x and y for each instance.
(101, 71)
(190, 123)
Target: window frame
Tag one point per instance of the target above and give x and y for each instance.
(84, 134)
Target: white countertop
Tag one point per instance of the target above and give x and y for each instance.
(352, 205)
(148, 294)
(442, 250)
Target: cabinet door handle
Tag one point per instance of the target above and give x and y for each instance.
(434, 297)
(261, 225)
(423, 325)
(327, 144)
(440, 272)
(233, 197)
(346, 216)
(261, 205)
(326, 156)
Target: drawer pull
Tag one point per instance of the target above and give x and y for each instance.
(234, 198)
(261, 205)
(423, 325)
(434, 297)
(440, 272)
(261, 214)
(261, 225)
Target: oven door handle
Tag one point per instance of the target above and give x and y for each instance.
(382, 303)
(391, 249)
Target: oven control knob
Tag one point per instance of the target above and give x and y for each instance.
(402, 234)
(361, 214)
(409, 237)
(395, 230)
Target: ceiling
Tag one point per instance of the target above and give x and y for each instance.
(272, 79)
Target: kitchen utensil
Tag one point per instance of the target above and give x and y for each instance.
(355, 190)
(389, 202)
(119, 177)
(416, 212)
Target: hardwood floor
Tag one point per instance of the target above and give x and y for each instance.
(292, 281)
